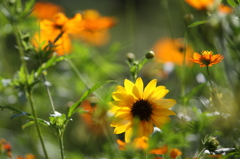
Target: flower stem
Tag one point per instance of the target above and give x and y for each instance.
(48, 92)
(27, 88)
(61, 146)
(201, 153)
(29, 95)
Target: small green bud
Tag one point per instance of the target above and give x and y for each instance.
(130, 57)
(150, 55)
(11, 2)
(188, 17)
(211, 144)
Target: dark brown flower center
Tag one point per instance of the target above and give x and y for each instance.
(142, 109)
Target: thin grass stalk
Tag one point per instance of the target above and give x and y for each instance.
(29, 92)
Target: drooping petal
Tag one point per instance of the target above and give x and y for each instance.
(122, 128)
(128, 134)
(159, 120)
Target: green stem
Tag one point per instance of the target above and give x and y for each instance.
(48, 92)
(29, 95)
(27, 89)
(81, 77)
(61, 146)
(210, 80)
(201, 153)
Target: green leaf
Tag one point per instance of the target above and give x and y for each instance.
(51, 62)
(20, 113)
(198, 23)
(73, 108)
(192, 93)
(232, 3)
(39, 120)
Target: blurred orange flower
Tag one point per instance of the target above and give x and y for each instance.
(93, 118)
(209, 5)
(173, 50)
(200, 4)
(224, 9)
(141, 143)
(45, 10)
(27, 156)
(95, 28)
(57, 32)
(207, 58)
(174, 153)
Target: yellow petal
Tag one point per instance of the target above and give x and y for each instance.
(128, 86)
(149, 89)
(165, 112)
(148, 128)
(128, 134)
(166, 103)
(159, 120)
(139, 84)
(121, 89)
(122, 128)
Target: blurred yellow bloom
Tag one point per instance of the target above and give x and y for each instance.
(200, 4)
(96, 27)
(174, 153)
(45, 10)
(172, 50)
(146, 106)
(57, 32)
(207, 58)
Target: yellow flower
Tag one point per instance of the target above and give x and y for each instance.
(146, 106)
(173, 50)
(207, 58)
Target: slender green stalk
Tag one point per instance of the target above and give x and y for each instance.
(29, 95)
(201, 153)
(27, 89)
(48, 92)
(61, 146)
(78, 73)
(167, 16)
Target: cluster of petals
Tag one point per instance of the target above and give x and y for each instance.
(146, 105)
(206, 58)
(58, 30)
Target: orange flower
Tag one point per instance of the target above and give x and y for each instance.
(207, 58)
(95, 28)
(46, 10)
(174, 153)
(93, 118)
(224, 9)
(27, 156)
(172, 50)
(141, 143)
(57, 32)
(200, 4)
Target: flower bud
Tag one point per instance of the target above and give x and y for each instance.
(150, 55)
(130, 57)
(211, 144)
